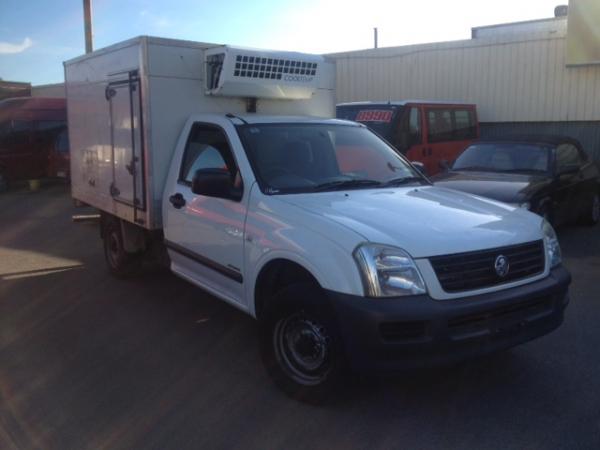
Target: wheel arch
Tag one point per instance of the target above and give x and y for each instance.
(276, 274)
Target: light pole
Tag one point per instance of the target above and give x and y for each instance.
(87, 25)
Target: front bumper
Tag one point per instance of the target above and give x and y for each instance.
(390, 334)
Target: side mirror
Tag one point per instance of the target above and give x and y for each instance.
(215, 183)
(420, 167)
(444, 165)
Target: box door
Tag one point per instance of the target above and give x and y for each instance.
(124, 97)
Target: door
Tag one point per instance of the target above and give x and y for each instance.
(450, 129)
(569, 193)
(127, 156)
(204, 234)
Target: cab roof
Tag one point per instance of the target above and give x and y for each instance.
(265, 119)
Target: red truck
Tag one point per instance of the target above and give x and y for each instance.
(425, 131)
(33, 139)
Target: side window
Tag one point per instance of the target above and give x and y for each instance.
(44, 125)
(439, 122)
(451, 124)
(409, 132)
(207, 148)
(567, 155)
(20, 134)
(414, 126)
(464, 124)
(47, 130)
(62, 142)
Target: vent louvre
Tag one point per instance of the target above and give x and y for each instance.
(239, 72)
(247, 66)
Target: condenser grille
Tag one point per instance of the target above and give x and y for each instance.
(271, 68)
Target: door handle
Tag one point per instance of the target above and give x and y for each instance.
(177, 200)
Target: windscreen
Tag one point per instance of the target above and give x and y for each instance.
(504, 157)
(382, 119)
(291, 158)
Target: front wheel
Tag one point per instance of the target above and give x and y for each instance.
(300, 344)
(120, 263)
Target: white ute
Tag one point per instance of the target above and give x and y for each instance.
(348, 257)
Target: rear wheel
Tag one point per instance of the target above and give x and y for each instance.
(592, 214)
(300, 343)
(120, 263)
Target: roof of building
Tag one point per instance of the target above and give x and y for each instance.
(33, 103)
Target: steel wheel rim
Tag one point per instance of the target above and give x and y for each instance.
(303, 349)
(113, 249)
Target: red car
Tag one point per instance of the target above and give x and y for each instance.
(33, 142)
(425, 131)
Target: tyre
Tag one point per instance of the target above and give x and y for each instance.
(120, 263)
(300, 344)
(592, 214)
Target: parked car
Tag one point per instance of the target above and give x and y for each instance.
(424, 131)
(29, 129)
(549, 175)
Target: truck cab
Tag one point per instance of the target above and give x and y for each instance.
(346, 255)
(425, 131)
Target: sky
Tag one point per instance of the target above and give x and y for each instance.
(36, 36)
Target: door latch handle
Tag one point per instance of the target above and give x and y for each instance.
(177, 200)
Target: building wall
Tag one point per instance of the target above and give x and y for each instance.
(49, 90)
(10, 89)
(512, 77)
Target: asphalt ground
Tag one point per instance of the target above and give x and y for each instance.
(88, 362)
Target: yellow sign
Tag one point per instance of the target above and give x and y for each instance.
(583, 33)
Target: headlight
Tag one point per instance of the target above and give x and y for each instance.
(388, 271)
(552, 247)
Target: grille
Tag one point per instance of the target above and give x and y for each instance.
(476, 270)
(271, 68)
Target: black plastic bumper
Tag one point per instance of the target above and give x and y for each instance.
(383, 335)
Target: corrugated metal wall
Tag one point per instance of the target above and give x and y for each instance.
(511, 78)
(588, 133)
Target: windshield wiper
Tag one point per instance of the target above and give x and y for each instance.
(343, 184)
(403, 180)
